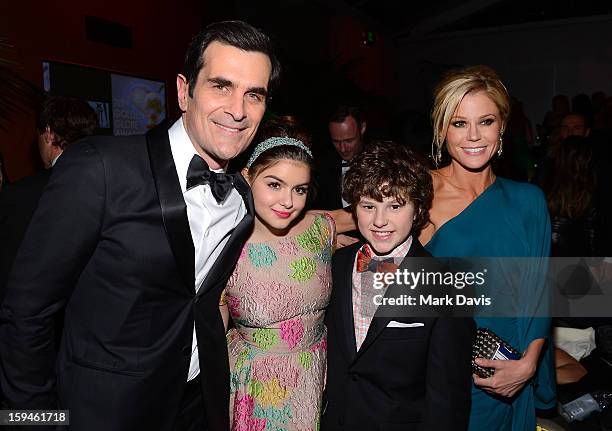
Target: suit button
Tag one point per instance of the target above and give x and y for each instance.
(186, 351)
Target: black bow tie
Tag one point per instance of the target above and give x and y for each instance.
(199, 173)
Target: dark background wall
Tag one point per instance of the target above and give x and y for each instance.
(536, 60)
(55, 30)
(321, 46)
(321, 51)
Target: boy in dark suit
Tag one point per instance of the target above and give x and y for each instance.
(399, 373)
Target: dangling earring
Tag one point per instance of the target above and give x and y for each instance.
(500, 150)
(437, 157)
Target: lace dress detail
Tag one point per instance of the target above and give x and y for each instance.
(277, 296)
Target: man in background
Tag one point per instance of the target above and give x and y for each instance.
(61, 121)
(347, 128)
(573, 125)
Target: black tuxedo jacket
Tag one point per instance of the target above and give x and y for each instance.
(401, 378)
(119, 255)
(17, 204)
(328, 178)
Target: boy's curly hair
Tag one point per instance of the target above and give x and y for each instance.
(387, 169)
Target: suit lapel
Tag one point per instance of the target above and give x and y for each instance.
(224, 264)
(378, 323)
(346, 324)
(172, 203)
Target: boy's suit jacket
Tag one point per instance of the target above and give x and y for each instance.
(409, 378)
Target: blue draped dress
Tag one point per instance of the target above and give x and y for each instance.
(509, 219)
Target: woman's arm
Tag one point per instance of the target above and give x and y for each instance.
(344, 222)
(224, 315)
(568, 370)
(510, 376)
(224, 310)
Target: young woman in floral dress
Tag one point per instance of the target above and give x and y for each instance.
(277, 297)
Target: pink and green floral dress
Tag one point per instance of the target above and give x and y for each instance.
(277, 297)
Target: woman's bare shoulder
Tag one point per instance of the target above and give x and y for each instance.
(305, 221)
(439, 179)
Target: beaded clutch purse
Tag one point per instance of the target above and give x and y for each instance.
(488, 345)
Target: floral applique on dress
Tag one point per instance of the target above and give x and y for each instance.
(277, 296)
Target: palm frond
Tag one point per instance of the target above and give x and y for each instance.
(16, 93)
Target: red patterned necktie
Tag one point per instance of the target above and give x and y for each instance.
(365, 262)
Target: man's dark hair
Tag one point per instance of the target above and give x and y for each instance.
(238, 34)
(387, 169)
(340, 111)
(68, 118)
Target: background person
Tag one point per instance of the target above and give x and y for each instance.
(347, 128)
(570, 192)
(61, 121)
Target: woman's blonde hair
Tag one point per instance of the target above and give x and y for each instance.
(452, 89)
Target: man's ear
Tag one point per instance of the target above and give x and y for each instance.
(182, 90)
(49, 136)
(587, 133)
(363, 127)
(245, 174)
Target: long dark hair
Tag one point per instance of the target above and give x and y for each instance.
(570, 187)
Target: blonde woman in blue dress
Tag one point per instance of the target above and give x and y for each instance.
(476, 214)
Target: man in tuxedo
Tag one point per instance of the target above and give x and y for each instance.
(347, 128)
(61, 121)
(145, 232)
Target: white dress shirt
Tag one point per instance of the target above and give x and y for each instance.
(363, 294)
(54, 161)
(211, 223)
